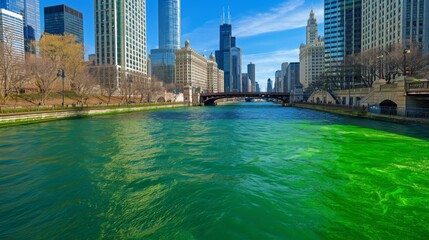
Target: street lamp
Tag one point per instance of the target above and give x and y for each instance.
(406, 51)
(380, 66)
(62, 75)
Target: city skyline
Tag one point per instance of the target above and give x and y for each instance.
(263, 44)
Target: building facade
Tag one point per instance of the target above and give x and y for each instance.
(389, 22)
(191, 69)
(11, 35)
(169, 28)
(343, 37)
(62, 19)
(30, 11)
(251, 71)
(292, 76)
(311, 54)
(121, 38)
(279, 81)
(214, 76)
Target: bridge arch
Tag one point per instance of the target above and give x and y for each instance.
(209, 99)
(388, 107)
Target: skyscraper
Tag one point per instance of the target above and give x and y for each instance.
(251, 71)
(279, 81)
(11, 35)
(121, 38)
(224, 56)
(163, 58)
(30, 11)
(236, 71)
(62, 19)
(311, 54)
(343, 37)
(389, 22)
(269, 85)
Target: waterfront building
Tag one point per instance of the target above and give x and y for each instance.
(62, 19)
(269, 85)
(11, 34)
(214, 75)
(191, 69)
(251, 72)
(169, 27)
(311, 54)
(389, 22)
(258, 88)
(343, 37)
(236, 70)
(284, 67)
(279, 81)
(30, 11)
(121, 38)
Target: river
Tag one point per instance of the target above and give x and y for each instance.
(242, 171)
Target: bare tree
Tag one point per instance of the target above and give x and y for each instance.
(84, 84)
(12, 71)
(107, 77)
(141, 86)
(44, 72)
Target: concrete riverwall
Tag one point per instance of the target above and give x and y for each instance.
(25, 118)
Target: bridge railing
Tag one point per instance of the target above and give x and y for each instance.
(418, 86)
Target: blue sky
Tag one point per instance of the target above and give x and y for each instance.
(269, 32)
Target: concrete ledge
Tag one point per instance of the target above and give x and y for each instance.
(28, 118)
(346, 111)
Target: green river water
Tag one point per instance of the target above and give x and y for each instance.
(245, 171)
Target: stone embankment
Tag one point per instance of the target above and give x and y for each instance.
(359, 112)
(35, 117)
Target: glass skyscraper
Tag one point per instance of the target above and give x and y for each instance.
(343, 37)
(30, 10)
(11, 25)
(62, 19)
(163, 59)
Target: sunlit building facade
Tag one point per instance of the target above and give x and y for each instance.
(11, 34)
(191, 69)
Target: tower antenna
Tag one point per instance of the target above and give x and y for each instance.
(229, 16)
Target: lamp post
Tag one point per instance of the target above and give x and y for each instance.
(62, 75)
(380, 66)
(406, 51)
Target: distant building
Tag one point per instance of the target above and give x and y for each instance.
(214, 76)
(279, 82)
(247, 83)
(292, 76)
(258, 88)
(11, 34)
(389, 22)
(228, 56)
(236, 71)
(311, 55)
(251, 71)
(269, 85)
(62, 19)
(30, 11)
(169, 27)
(284, 68)
(191, 69)
(92, 58)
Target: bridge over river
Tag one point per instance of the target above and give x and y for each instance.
(209, 99)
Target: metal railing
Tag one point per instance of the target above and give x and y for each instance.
(418, 85)
(399, 111)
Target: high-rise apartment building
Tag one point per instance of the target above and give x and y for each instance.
(191, 69)
(251, 71)
(120, 29)
(62, 19)
(11, 35)
(311, 54)
(343, 31)
(163, 58)
(30, 11)
(390, 22)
